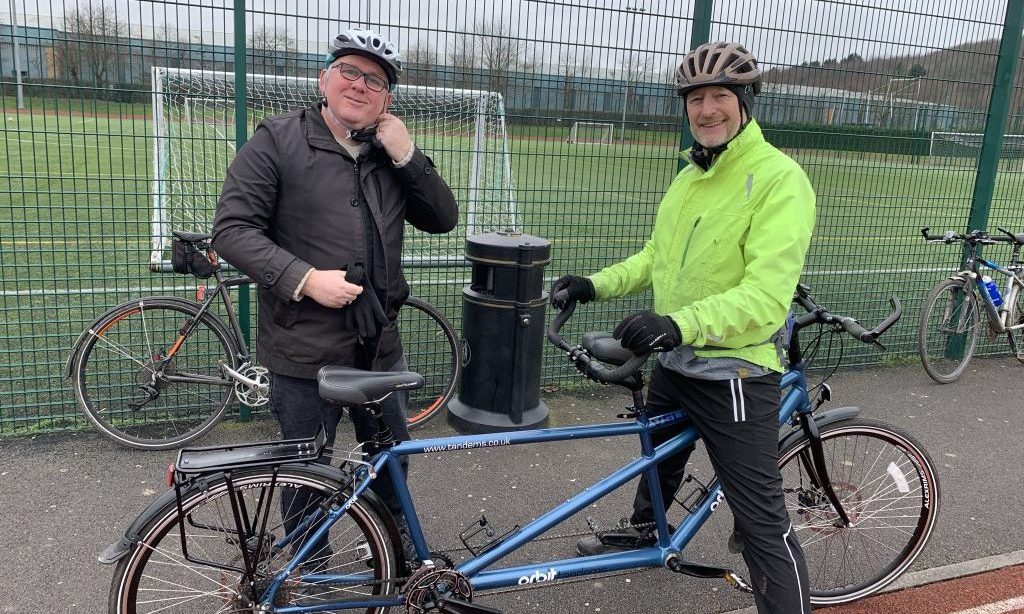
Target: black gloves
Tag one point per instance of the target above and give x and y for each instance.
(645, 332)
(364, 314)
(571, 288)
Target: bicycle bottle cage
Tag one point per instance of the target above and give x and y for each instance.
(203, 460)
(482, 526)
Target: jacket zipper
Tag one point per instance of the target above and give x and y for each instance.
(686, 249)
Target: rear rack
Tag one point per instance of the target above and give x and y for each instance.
(200, 460)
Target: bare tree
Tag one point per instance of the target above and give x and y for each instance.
(88, 50)
(636, 68)
(573, 65)
(173, 49)
(272, 49)
(500, 52)
(463, 56)
(421, 62)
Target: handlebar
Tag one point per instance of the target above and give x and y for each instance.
(816, 314)
(974, 237)
(586, 363)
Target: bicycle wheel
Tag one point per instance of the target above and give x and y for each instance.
(159, 575)
(433, 350)
(890, 491)
(949, 330)
(1016, 318)
(129, 374)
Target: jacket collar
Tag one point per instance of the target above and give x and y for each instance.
(743, 142)
(316, 130)
(320, 136)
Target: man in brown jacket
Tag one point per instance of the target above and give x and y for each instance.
(313, 208)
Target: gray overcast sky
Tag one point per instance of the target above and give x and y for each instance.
(597, 31)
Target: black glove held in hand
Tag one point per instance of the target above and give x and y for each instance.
(571, 288)
(364, 314)
(645, 332)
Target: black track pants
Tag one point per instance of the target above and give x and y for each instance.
(738, 422)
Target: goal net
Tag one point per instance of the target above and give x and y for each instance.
(953, 147)
(463, 131)
(591, 132)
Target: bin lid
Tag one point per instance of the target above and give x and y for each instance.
(508, 247)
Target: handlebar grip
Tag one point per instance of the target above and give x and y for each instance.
(855, 329)
(593, 368)
(897, 313)
(556, 325)
(606, 375)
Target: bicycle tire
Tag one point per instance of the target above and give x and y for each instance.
(1016, 318)
(890, 490)
(118, 357)
(432, 349)
(948, 312)
(155, 575)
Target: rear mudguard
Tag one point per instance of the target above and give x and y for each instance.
(130, 540)
(77, 347)
(822, 420)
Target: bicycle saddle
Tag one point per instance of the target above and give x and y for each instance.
(350, 386)
(606, 348)
(192, 237)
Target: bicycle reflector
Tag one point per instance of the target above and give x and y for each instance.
(170, 475)
(200, 293)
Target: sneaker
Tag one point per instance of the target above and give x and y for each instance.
(620, 539)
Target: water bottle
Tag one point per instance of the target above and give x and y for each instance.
(992, 290)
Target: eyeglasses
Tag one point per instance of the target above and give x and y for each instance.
(372, 81)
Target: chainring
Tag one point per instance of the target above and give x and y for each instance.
(428, 584)
(254, 396)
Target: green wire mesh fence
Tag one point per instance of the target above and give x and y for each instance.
(558, 119)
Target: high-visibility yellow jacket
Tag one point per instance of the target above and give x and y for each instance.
(726, 251)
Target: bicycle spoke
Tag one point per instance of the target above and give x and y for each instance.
(121, 350)
(881, 490)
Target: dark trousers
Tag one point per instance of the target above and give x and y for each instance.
(300, 411)
(738, 422)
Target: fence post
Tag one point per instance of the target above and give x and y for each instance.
(241, 136)
(699, 34)
(998, 107)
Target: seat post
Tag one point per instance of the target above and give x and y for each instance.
(384, 438)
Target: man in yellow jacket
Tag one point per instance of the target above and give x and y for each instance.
(724, 258)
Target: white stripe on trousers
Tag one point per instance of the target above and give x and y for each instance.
(739, 407)
(796, 571)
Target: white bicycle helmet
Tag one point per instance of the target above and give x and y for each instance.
(369, 44)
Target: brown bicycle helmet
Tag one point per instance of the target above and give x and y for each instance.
(725, 64)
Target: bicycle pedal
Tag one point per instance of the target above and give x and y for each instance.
(738, 583)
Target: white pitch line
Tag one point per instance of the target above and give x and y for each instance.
(874, 272)
(1000, 607)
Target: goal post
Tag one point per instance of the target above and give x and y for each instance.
(193, 129)
(946, 146)
(599, 133)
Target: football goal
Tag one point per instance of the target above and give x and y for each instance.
(953, 146)
(463, 131)
(597, 133)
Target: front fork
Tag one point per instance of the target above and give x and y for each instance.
(817, 468)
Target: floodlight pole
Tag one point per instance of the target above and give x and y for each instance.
(17, 56)
(625, 93)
